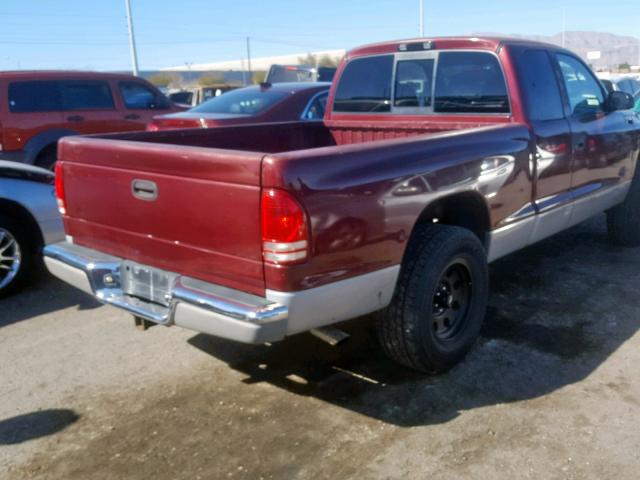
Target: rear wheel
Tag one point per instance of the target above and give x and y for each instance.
(47, 158)
(440, 300)
(623, 220)
(16, 256)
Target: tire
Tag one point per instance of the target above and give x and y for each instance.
(444, 276)
(47, 158)
(17, 256)
(623, 220)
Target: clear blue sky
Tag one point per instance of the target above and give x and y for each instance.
(92, 34)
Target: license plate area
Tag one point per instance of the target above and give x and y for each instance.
(148, 283)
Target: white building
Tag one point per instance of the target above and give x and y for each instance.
(259, 63)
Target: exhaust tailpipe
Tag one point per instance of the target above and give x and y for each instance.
(333, 336)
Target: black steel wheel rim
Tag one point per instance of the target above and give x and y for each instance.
(451, 300)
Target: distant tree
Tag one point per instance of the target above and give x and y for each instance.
(163, 79)
(210, 79)
(308, 59)
(624, 67)
(327, 61)
(322, 61)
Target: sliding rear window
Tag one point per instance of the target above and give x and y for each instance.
(470, 82)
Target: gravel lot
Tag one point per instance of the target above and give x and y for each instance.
(550, 391)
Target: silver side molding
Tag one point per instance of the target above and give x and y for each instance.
(552, 220)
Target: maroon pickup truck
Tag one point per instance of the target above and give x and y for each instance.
(434, 158)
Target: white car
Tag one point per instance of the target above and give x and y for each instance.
(29, 219)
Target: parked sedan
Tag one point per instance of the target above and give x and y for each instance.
(262, 103)
(29, 219)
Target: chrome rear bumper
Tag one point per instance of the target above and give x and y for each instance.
(187, 302)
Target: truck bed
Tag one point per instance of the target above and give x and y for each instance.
(205, 221)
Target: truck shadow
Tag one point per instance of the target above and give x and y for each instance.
(34, 425)
(47, 294)
(557, 311)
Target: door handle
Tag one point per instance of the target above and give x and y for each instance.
(132, 116)
(144, 189)
(75, 118)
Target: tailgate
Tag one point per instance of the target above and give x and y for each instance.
(202, 221)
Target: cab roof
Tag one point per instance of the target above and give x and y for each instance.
(447, 43)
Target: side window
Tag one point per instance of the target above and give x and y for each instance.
(315, 110)
(413, 83)
(137, 96)
(584, 91)
(539, 85)
(470, 82)
(37, 96)
(86, 95)
(365, 85)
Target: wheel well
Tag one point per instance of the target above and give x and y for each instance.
(23, 217)
(46, 151)
(467, 210)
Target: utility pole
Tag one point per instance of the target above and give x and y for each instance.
(132, 38)
(421, 18)
(249, 61)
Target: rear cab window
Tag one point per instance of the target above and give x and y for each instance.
(365, 86)
(429, 82)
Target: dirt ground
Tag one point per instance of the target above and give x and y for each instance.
(551, 390)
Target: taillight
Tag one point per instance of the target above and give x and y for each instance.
(60, 197)
(152, 127)
(285, 233)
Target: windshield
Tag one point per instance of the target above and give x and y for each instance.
(246, 101)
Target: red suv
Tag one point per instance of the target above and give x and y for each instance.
(38, 108)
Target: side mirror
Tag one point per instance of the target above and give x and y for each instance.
(618, 100)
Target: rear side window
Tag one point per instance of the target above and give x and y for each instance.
(470, 82)
(86, 95)
(36, 96)
(365, 86)
(413, 83)
(137, 96)
(539, 84)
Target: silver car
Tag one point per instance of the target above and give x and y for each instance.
(29, 219)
